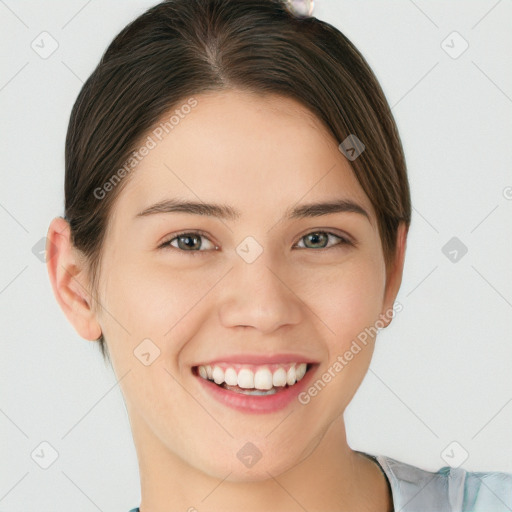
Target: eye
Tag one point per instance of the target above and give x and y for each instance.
(188, 241)
(192, 241)
(319, 239)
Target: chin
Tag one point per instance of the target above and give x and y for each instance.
(245, 463)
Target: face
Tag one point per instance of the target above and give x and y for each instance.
(206, 309)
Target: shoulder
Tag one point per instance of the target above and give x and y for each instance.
(448, 489)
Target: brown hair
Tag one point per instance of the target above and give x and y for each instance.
(180, 48)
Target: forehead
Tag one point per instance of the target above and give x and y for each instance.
(246, 149)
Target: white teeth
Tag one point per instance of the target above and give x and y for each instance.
(231, 377)
(301, 371)
(218, 375)
(279, 377)
(291, 376)
(245, 379)
(202, 372)
(263, 379)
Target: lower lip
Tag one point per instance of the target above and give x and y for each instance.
(258, 403)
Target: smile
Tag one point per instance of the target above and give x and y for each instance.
(263, 387)
(252, 380)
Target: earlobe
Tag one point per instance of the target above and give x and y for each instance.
(394, 275)
(68, 279)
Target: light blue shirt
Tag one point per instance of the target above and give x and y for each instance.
(447, 490)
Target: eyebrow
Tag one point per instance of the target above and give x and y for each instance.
(227, 212)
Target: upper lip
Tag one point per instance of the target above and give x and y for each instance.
(258, 359)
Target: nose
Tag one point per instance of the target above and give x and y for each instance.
(259, 295)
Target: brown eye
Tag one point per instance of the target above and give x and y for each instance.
(188, 241)
(320, 239)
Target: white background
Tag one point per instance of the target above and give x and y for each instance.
(441, 372)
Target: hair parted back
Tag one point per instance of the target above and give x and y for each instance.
(181, 48)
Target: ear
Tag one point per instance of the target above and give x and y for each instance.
(67, 274)
(394, 274)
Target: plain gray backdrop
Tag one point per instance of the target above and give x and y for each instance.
(440, 384)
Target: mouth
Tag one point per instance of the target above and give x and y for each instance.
(254, 387)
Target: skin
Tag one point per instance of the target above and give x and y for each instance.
(261, 155)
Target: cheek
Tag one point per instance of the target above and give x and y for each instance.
(150, 318)
(153, 302)
(350, 307)
(351, 300)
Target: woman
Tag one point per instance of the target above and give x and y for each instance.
(236, 215)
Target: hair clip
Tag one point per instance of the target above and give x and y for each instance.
(301, 7)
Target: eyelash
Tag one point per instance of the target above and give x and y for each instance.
(343, 241)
